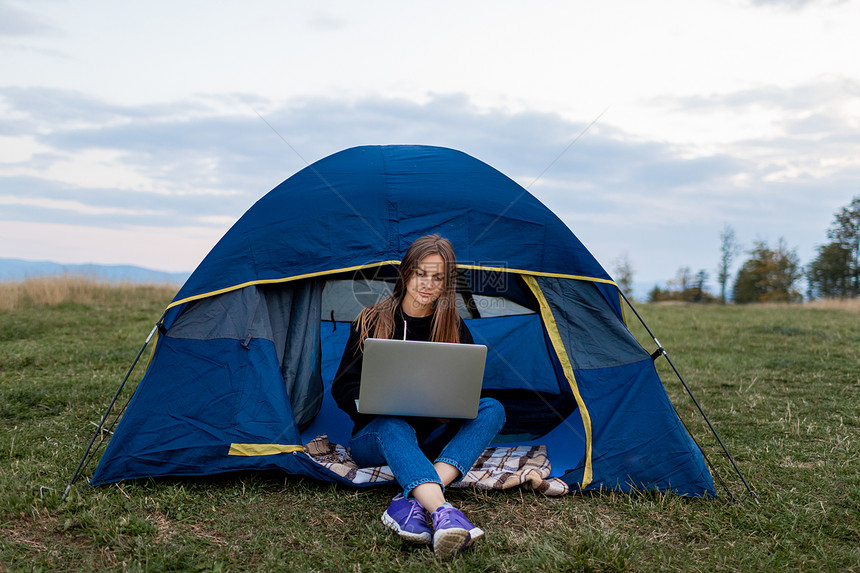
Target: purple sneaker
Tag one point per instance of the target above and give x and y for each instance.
(408, 518)
(453, 531)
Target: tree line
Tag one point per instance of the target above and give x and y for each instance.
(771, 273)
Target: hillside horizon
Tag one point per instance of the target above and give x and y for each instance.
(22, 269)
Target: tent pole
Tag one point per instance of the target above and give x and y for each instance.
(660, 350)
(89, 453)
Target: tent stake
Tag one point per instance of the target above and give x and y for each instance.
(661, 350)
(89, 453)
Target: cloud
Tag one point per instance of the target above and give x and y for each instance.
(55, 109)
(795, 4)
(200, 142)
(16, 23)
(194, 148)
(820, 92)
(806, 130)
(325, 21)
(38, 200)
(202, 162)
(71, 206)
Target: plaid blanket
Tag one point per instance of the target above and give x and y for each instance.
(497, 468)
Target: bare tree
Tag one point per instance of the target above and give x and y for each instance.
(729, 249)
(682, 281)
(624, 274)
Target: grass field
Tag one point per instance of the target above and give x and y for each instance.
(780, 383)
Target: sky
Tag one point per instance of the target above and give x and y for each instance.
(138, 133)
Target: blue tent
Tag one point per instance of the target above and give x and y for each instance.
(240, 373)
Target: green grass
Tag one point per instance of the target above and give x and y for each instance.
(780, 384)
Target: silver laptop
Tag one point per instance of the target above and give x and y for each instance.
(412, 378)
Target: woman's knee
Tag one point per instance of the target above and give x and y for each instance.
(393, 432)
(387, 425)
(382, 437)
(492, 409)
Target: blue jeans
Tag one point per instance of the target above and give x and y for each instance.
(392, 441)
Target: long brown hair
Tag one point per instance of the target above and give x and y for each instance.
(378, 320)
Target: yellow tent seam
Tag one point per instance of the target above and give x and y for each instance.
(561, 352)
(276, 281)
(537, 273)
(379, 264)
(262, 449)
(623, 312)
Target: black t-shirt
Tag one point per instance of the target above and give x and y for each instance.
(347, 381)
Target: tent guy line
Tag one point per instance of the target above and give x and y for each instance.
(661, 351)
(310, 166)
(565, 150)
(90, 452)
(528, 187)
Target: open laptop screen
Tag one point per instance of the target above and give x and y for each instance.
(414, 378)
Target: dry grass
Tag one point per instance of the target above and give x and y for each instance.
(850, 305)
(49, 291)
(73, 289)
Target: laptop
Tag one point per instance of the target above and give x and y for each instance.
(414, 378)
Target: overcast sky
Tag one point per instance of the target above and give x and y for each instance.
(137, 133)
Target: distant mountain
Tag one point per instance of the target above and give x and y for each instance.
(18, 269)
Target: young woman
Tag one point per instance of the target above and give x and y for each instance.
(425, 455)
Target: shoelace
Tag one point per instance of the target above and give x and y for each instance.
(417, 512)
(444, 519)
